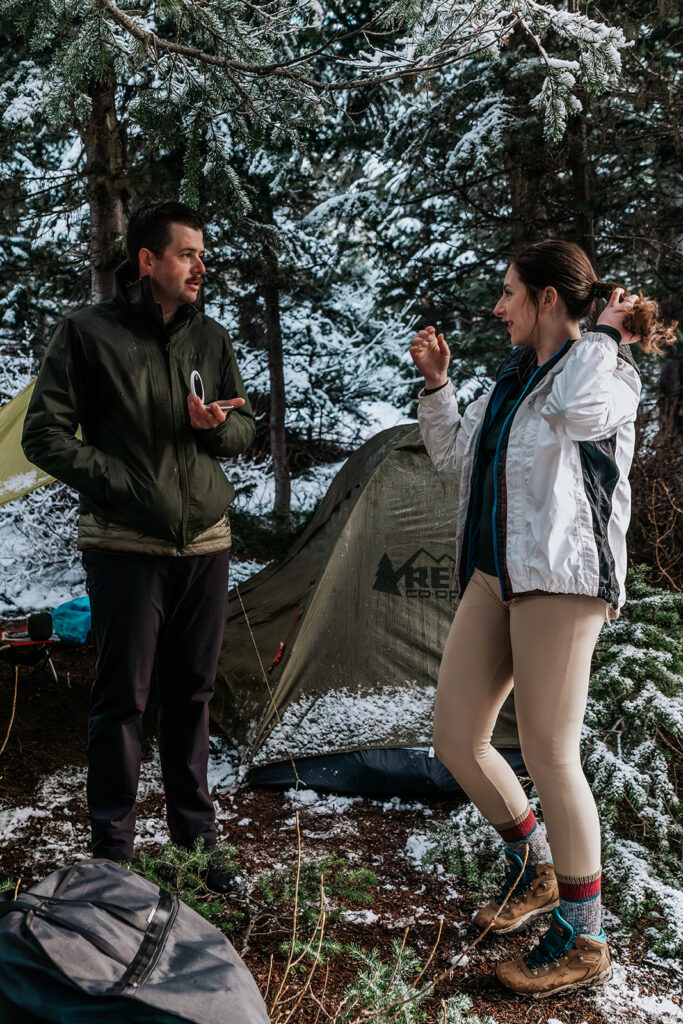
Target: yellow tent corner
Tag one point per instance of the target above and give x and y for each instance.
(17, 475)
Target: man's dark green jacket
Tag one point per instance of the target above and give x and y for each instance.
(117, 371)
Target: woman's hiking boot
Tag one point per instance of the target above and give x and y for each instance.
(561, 960)
(535, 893)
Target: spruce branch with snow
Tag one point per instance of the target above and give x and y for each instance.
(273, 64)
(39, 563)
(450, 844)
(633, 739)
(381, 987)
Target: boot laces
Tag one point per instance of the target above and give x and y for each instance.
(549, 950)
(523, 884)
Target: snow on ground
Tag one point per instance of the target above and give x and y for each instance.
(647, 991)
(417, 848)
(64, 837)
(360, 916)
(630, 986)
(343, 719)
(321, 803)
(223, 767)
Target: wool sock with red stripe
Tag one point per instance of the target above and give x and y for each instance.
(525, 831)
(580, 903)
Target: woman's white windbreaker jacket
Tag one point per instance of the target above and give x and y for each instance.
(562, 499)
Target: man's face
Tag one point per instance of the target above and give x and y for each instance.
(176, 275)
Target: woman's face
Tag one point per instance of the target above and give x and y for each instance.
(517, 310)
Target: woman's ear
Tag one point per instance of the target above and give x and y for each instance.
(549, 299)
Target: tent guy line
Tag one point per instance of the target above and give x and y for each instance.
(248, 755)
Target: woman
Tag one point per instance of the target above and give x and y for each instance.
(543, 511)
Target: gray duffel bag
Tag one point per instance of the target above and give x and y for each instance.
(95, 943)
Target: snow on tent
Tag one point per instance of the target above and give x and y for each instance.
(350, 701)
(17, 475)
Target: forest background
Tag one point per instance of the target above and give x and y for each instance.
(364, 169)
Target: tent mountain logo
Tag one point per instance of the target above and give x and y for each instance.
(423, 575)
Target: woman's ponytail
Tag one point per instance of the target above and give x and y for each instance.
(643, 319)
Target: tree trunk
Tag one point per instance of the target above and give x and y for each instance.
(579, 163)
(104, 174)
(528, 213)
(531, 167)
(278, 441)
(671, 405)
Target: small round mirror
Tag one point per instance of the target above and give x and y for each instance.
(196, 385)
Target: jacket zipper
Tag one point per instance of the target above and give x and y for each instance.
(463, 567)
(180, 454)
(465, 544)
(503, 434)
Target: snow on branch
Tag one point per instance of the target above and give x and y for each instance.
(422, 38)
(276, 64)
(597, 63)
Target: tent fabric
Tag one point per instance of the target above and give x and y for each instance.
(372, 575)
(18, 476)
(408, 772)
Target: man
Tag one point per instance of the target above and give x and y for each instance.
(153, 523)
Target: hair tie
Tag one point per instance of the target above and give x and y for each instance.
(597, 290)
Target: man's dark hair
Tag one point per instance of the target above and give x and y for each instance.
(150, 227)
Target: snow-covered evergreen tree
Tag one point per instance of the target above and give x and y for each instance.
(346, 202)
(467, 174)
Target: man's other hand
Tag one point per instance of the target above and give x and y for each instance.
(207, 417)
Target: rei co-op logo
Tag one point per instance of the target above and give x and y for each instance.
(422, 575)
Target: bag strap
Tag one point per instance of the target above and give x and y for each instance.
(149, 951)
(152, 945)
(8, 905)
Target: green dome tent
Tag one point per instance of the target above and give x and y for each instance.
(350, 702)
(17, 475)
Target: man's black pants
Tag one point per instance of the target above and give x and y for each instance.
(150, 613)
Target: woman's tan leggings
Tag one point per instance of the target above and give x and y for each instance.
(546, 641)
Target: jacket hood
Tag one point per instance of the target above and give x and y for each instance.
(135, 293)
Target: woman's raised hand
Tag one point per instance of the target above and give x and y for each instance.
(619, 306)
(431, 355)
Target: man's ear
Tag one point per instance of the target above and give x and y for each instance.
(146, 262)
